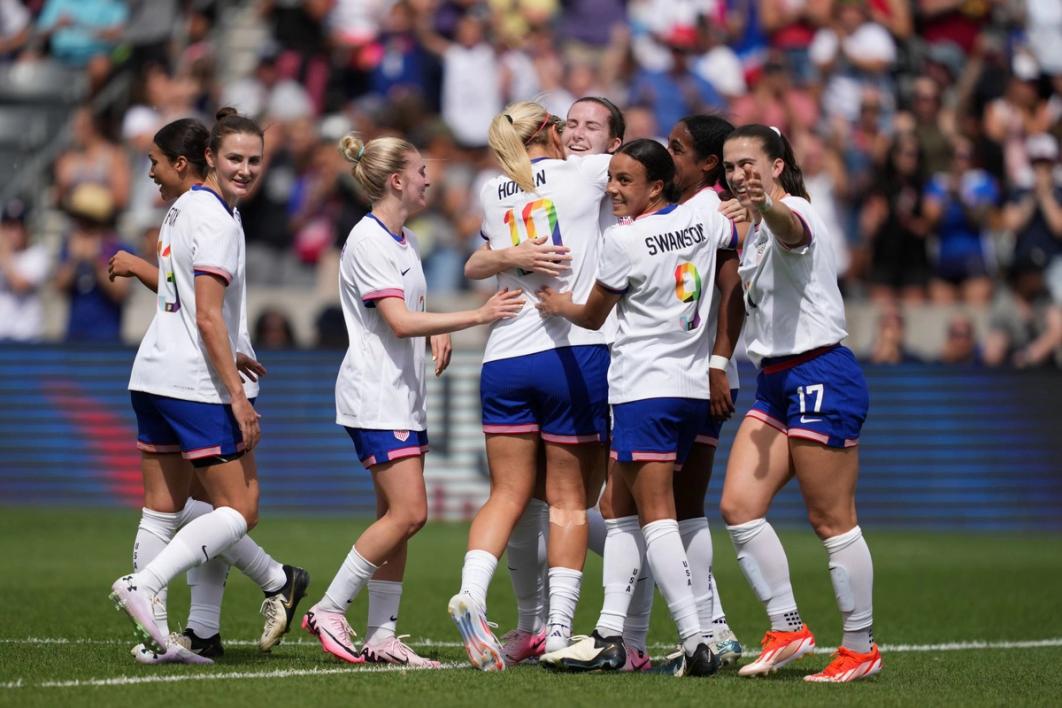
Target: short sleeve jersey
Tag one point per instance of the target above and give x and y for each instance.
(664, 266)
(565, 207)
(707, 200)
(199, 236)
(381, 381)
(792, 302)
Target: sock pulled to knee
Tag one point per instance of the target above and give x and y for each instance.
(852, 574)
(763, 562)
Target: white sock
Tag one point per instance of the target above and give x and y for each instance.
(206, 586)
(476, 574)
(597, 529)
(564, 587)
(697, 542)
(671, 570)
(718, 615)
(763, 561)
(636, 628)
(155, 530)
(193, 509)
(253, 561)
(350, 579)
(384, 598)
(196, 543)
(852, 573)
(525, 569)
(624, 557)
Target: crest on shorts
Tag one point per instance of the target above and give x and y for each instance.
(402, 435)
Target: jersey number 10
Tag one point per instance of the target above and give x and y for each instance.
(538, 218)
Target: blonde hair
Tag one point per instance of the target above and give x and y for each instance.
(375, 161)
(522, 124)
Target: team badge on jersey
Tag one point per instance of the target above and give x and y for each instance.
(402, 435)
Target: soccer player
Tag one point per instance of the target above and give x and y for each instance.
(381, 393)
(811, 401)
(543, 381)
(594, 126)
(660, 270)
(178, 163)
(185, 387)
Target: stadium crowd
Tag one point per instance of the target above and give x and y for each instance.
(928, 130)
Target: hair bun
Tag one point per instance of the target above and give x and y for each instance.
(352, 148)
(225, 112)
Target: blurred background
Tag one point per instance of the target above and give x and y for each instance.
(928, 131)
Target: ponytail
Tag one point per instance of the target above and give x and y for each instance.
(522, 124)
(777, 147)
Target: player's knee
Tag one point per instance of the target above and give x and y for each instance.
(829, 524)
(736, 510)
(250, 515)
(410, 519)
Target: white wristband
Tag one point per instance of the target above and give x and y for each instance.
(718, 362)
(766, 206)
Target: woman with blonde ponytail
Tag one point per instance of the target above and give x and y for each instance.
(544, 381)
(380, 392)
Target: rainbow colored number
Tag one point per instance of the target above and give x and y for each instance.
(688, 289)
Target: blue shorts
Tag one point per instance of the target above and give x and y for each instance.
(375, 447)
(711, 428)
(562, 394)
(656, 429)
(819, 395)
(194, 429)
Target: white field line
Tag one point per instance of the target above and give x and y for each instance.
(289, 673)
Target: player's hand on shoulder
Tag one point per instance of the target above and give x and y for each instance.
(539, 255)
(503, 304)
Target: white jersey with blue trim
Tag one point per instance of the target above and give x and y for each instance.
(792, 301)
(565, 206)
(663, 264)
(199, 235)
(381, 382)
(708, 200)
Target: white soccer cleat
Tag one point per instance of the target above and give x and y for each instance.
(481, 645)
(848, 665)
(394, 651)
(593, 653)
(557, 638)
(278, 608)
(178, 651)
(726, 646)
(779, 649)
(137, 604)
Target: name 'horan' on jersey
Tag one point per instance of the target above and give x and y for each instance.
(674, 240)
(508, 188)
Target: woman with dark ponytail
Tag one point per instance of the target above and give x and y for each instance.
(659, 269)
(811, 401)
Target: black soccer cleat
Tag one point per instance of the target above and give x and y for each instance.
(593, 653)
(210, 647)
(279, 607)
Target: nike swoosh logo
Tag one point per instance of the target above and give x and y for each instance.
(805, 419)
(205, 554)
(394, 618)
(345, 647)
(407, 270)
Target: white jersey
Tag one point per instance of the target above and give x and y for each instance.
(792, 301)
(606, 220)
(566, 207)
(664, 264)
(381, 381)
(707, 200)
(199, 235)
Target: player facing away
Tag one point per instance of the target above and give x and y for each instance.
(381, 393)
(660, 270)
(185, 387)
(178, 163)
(811, 401)
(544, 381)
(593, 126)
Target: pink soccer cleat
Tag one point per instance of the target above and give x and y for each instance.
(334, 633)
(637, 660)
(519, 645)
(481, 645)
(394, 651)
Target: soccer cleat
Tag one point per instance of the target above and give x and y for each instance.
(519, 645)
(278, 608)
(778, 649)
(334, 633)
(558, 637)
(394, 651)
(481, 645)
(726, 646)
(593, 653)
(138, 606)
(848, 665)
(209, 647)
(178, 651)
(702, 662)
(637, 660)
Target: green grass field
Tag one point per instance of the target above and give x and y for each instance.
(62, 643)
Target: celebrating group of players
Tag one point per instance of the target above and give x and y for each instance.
(626, 273)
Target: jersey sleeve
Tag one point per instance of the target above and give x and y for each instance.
(375, 275)
(722, 232)
(614, 266)
(216, 247)
(803, 211)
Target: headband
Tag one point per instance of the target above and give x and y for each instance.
(538, 130)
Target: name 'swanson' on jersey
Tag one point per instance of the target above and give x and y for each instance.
(674, 240)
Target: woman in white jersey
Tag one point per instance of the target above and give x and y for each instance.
(811, 401)
(186, 390)
(380, 392)
(659, 268)
(178, 162)
(543, 380)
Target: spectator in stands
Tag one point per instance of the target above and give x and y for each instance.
(960, 206)
(1025, 328)
(960, 345)
(1034, 215)
(84, 33)
(300, 30)
(888, 347)
(775, 101)
(24, 269)
(926, 110)
(95, 301)
(15, 29)
(790, 26)
(92, 159)
(1022, 111)
(273, 330)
